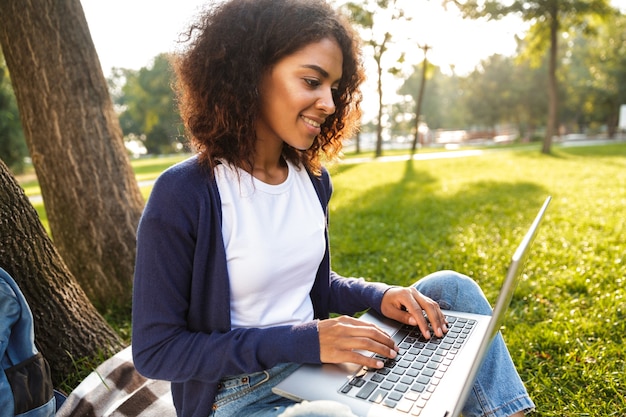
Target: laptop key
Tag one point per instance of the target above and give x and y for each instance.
(422, 379)
(412, 396)
(394, 396)
(400, 335)
(407, 380)
(393, 378)
(357, 382)
(404, 405)
(390, 403)
(387, 386)
(418, 387)
(382, 371)
(401, 388)
(367, 390)
(418, 365)
(378, 396)
(377, 378)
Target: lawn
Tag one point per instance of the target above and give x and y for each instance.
(398, 221)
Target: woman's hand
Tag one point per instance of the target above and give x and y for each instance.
(340, 338)
(406, 305)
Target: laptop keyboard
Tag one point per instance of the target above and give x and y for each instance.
(407, 382)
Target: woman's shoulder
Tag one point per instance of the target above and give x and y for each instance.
(188, 168)
(186, 180)
(189, 172)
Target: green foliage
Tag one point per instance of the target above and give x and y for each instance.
(148, 109)
(596, 76)
(12, 144)
(397, 222)
(443, 106)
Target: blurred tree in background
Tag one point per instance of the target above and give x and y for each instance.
(147, 106)
(549, 20)
(595, 77)
(375, 18)
(13, 148)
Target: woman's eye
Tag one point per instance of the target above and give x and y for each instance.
(312, 82)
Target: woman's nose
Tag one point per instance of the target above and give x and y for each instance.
(326, 102)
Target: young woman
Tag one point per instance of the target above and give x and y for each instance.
(233, 284)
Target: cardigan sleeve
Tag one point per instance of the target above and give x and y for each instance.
(181, 311)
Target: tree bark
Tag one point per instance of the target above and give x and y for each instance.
(67, 326)
(92, 199)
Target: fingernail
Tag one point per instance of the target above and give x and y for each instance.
(412, 321)
(380, 364)
(393, 354)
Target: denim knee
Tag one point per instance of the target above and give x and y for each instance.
(454, 291)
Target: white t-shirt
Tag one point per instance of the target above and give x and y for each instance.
(274, 238)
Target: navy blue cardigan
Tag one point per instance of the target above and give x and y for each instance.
(181, 302)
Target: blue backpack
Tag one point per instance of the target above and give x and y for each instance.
(25, 382)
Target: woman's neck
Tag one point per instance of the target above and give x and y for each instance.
(269, 166)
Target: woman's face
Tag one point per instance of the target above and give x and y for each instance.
(297, 95)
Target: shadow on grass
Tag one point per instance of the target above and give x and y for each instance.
(401, 231)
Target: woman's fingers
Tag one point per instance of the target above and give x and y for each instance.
(407, 305)
(343, 337)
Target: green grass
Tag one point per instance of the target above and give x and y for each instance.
(396, 222)
(399, 221)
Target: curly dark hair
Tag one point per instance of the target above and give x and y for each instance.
(230, 48)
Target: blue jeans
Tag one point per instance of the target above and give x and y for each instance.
(498, 390)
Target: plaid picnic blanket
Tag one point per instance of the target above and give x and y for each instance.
(116, 389)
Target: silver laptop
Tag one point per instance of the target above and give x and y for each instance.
(429, 377)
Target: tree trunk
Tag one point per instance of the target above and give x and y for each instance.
(379, 119)
(92, 199)
(552, 126)
(418, 105)
(67, 326)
